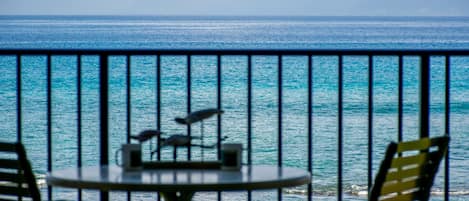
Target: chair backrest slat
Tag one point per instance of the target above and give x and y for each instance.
(14, 190)
(17, 178)
(7, 147)
(408, 169)
(12, 177)
(422, 144)
(418, 159)
(401, 173)
(401, 162)
(415, 145)
(10, 164)
(401, 186)
(401, 197)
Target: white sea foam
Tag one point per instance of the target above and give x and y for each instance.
(41, 180)
(361, 191)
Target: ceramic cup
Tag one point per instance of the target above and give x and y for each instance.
(131, 157)
(231, 156)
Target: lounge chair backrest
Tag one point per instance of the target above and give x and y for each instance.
(408, 169)
(17, 180)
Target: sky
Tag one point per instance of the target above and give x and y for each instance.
(238, 7)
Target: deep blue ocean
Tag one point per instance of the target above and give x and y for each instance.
(149, 32)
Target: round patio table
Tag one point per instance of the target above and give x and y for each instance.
(178, 184)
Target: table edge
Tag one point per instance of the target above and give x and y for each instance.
(286, 183)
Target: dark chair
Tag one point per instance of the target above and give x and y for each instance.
(408, 169)
(16, 176)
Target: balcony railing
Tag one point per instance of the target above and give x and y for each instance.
(234, 78)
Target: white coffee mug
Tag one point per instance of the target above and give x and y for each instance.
(131, 157)
(231, 155)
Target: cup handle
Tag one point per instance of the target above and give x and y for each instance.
(116, 155)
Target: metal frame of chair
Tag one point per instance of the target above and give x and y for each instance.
(17, 179)
(408, 169)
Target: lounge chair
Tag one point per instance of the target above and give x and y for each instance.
(408, 169)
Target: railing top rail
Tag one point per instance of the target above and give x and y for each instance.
(454, 52)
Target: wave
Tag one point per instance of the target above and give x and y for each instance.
(41, 180)
(353, 190)
(361, 191)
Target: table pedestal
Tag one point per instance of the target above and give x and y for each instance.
(178, 196)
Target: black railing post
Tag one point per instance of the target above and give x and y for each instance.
(249, 117)
(18, 103)
(128, 106)
(19, 117)
(104, 112)
(280, 116)
(447, 121)
(400, 98)
(310, 124)
(424, 95)
(128, 98)
(249, 110)
(49, 121)
(158, 106)
(158, 111)
(219, 106)
(79, 121)
(340, 129)
(189, 84)
(370, 121)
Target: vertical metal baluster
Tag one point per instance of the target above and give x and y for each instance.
(424, 95)
(49, 121)
(128, 99)
(340, 129)
(189, 83)
(104, 112)
(158, 105)
(310, 124)
(158, 111)
(280, 65)
(219, 106)
(400, 98)
(447, 120)
(370, 121)
(128, 105)
(249, 117)
(19, 118)
(79, 121)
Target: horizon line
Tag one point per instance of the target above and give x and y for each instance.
(239, 16)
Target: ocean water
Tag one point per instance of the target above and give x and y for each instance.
(94, 32)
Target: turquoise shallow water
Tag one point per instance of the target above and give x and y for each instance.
(226, 33)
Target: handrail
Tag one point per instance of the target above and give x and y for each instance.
(377, 52)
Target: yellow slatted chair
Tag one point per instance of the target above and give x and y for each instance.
(17, 181)
(408, 169)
